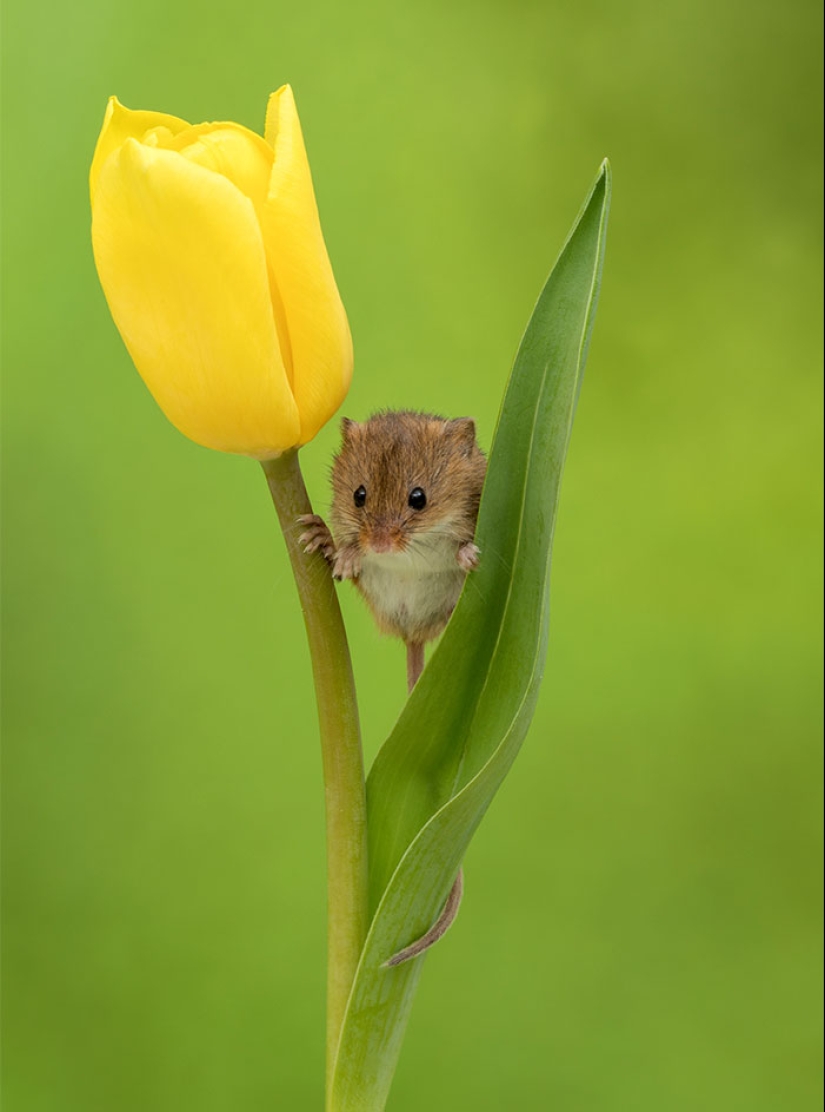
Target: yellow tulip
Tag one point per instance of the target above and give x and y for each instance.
(209, 250)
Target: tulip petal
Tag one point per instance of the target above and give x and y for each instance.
(120, 124)
(321, 345)
(182, 263)
(233, 151)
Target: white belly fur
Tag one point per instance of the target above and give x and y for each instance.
(416, 589)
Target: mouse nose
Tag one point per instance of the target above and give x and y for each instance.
(383, 538)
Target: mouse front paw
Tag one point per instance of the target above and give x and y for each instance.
(467, 556)
(316, 537)
(347, 564)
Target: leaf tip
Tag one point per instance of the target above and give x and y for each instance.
(605, 178)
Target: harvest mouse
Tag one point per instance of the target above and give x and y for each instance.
(406, 492)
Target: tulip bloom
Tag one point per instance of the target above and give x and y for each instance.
(209, 250)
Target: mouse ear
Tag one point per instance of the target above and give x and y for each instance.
(348, 428)
(463, 430)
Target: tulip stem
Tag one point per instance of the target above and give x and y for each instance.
(343, 762)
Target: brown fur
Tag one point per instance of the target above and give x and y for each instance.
(389, 455)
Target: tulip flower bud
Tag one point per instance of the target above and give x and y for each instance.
(209, 250)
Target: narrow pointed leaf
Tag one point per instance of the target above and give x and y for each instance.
(463, 725)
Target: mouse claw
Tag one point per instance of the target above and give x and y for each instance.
(347, 564)
(467, 556)
(317, 538)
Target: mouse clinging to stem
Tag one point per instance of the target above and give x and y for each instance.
(406, 494)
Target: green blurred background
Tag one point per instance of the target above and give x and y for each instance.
(641, 927)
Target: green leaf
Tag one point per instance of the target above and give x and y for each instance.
(466, 718)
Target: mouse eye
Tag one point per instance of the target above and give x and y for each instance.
(417, 499)
(360, 497)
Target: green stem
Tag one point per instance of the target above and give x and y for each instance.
(346, 804)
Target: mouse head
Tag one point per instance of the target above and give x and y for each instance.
(401, 476)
